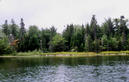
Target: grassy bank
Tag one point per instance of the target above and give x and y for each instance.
(67, 54)
(57, 54)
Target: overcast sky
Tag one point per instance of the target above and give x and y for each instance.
(45, 13)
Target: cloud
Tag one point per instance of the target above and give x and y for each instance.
(45, 13)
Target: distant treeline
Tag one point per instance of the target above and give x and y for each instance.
(112, 35)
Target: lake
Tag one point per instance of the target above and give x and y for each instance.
(65, 69)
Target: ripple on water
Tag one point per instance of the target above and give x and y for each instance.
(111, 71)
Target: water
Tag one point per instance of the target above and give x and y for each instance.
(52, 69)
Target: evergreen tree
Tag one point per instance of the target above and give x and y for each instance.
(14, 29)
(123, 29)
(22, 30)
(94, 32)
(108, 28)
(45, 36)
(67, 34)
(104, 43)
(5, 28)
(22, 39)
(78, 38)
(93, 27)
(113, 34)
(88, 43)
(33, 38)
(52, 34)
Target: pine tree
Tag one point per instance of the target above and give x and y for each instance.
(68, 34)
(5, 28)
(93, 27)
(123, 28)
(22, 37)
(22, 30)
(14, 29)
(52, 34)
(88, 44)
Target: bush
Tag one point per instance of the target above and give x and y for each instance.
(57, 44)
(5, 48)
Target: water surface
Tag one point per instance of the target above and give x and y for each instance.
(52, 69)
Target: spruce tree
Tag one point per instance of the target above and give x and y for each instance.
(5, 28)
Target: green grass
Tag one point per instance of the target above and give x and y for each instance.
(125, 52)
(70, 54)
(114, 52)
(38, 53)
(110, 52)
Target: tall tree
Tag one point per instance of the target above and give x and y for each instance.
(94, 32)
(123, 28)
(5, 28)
(22, 36)
(45, 36)
(22, 30)
(93, 27)
(108, 28)
(52, 34)
(67, 34)
(88, 44)
(33, 38)
(88, 31)
(78, 41)
(14, 29)
(104, 43)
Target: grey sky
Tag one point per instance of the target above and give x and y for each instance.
(45, 13)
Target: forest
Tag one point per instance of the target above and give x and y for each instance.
(111, 35)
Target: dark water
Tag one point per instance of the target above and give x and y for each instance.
(88, 69)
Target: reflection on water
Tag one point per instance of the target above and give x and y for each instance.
(52, 69)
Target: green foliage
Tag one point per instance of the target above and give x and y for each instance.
(2, 35)
(112, 35)
(22, 30)
(88, 44)
(14, 29)
(33, 38)
(45, 37)
(104, 43)
(96, 45)
(113, 43)
(67, 34)
(58, 43)
(107, 27)
(4, 47)
(93, 27)
(5, 28)
(77, 39)
(52, 34)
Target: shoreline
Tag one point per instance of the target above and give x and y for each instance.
(67, 54)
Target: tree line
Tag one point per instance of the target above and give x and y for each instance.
(111, 35)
